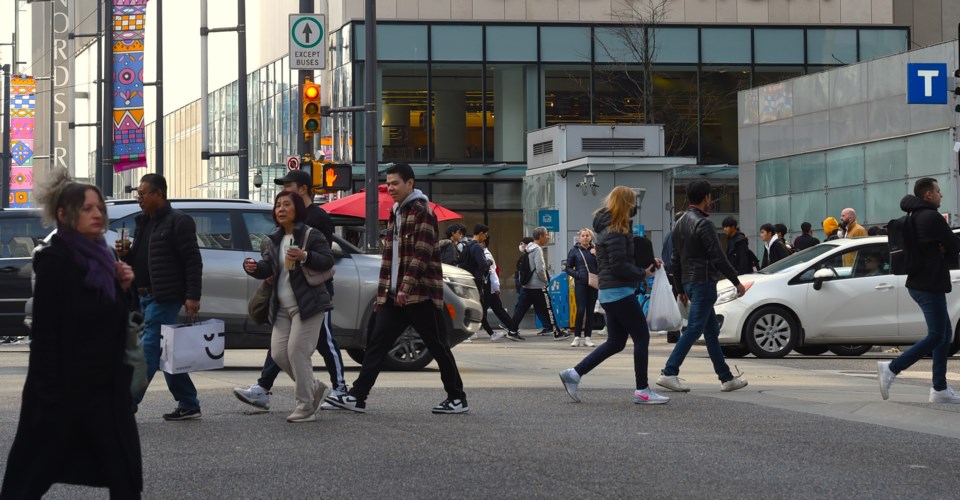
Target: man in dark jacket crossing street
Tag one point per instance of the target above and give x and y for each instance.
(168, 268)
(738, 247)
(697, 257)
(931, 248)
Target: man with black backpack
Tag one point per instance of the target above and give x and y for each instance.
(533, 278)
(929, 248)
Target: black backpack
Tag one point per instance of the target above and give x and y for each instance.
(465, 260)
(524, 269)
(900, 241)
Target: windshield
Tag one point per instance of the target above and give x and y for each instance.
(798, 258)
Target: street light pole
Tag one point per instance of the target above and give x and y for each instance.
(7, 154)
(372, 133)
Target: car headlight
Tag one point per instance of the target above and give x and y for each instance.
(462, 287)
(729, 293)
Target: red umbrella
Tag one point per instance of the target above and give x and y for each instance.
(355, 205)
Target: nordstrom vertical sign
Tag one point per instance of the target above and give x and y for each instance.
(63, 83)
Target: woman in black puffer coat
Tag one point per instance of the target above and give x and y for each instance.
(619, 277)
(581, 262)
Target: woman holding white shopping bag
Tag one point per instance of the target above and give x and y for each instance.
(619, 276)
(297, 306)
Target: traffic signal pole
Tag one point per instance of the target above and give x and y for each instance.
(304, 146)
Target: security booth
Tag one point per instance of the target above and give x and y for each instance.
(571, 168)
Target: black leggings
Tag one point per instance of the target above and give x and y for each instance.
(586, 301)
(492, 301)
(624, 319)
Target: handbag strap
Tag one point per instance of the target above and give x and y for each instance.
(584, 257)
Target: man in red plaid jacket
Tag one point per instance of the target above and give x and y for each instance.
(410, 293)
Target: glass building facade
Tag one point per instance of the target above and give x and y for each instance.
(468, 93)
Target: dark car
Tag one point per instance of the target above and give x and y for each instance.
(20, 231)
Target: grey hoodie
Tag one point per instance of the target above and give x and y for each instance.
(395, 263)
(539, 280)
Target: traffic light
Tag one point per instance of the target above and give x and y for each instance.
(311, 109)
(331, 177)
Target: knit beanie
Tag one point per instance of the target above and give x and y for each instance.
(830, 225)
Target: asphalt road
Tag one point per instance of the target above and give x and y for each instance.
(804, 428)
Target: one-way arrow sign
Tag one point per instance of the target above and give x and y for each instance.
(306, 41)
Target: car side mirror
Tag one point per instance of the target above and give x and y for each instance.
(823, 275)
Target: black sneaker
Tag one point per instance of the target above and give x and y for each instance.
(181, 414)
(561, 335)
(514, 336)
(452, 406)
(545, 331)
(347, 402)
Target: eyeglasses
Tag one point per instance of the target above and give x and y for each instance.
(140, 196)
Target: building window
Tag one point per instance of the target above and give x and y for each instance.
(459, 114)
(879, 43)
(565, 44)
(404, 119)
(456, 43)
(511, 43)
(725, 45)
(566, 94)
(831, 46)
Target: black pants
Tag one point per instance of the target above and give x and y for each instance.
(492, 301)
(624, 319)
(537, 297)
(391, 321)
(586, 301)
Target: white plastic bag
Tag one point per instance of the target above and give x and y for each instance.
(664, 314)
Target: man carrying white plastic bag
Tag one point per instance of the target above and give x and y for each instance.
(192, 347)
(663, 314)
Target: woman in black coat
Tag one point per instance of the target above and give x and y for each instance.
(582, 260)
(76, 417)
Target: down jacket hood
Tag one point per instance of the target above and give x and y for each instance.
(911, 203)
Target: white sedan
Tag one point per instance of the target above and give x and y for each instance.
(839, 296)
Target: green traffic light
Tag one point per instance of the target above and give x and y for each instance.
(311, 125)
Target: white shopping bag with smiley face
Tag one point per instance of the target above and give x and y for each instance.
(192, 347)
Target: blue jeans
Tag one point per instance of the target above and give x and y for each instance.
(701, 321)
(156, 314)
(937, 341)
(624, 319)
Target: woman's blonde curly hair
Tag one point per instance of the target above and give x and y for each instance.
(59, 191)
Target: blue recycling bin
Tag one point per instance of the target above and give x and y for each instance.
(559, 295)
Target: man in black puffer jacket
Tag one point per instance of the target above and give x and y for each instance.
(168, 269)
(932, 249)
(697, 258)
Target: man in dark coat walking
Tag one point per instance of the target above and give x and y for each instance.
(168, 268)
(738, 247)
(773, 248)
(932, 249)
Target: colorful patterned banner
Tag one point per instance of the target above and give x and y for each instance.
(129, 148)
(23, 106)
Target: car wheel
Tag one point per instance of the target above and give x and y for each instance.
(409, 353)
(734, 351)
(850, 350)
(771, 332)
(356, 355)
(811, 350)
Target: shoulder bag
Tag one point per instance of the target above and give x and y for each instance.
(592, 279)
(258, 308)
(316, 278)
(133, 355)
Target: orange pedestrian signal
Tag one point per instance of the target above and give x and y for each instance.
(332, 176)
(311, 109)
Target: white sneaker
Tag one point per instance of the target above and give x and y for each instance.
(497, 335)
(589, 343)
(327, 406)
(733, 384)
(945, 396)
(885, 377)
(475, 335)
(672, 382)
(254, 396)
(648, 397)
(571, 382)
(576, 342)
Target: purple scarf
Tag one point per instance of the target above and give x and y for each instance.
(96, 259)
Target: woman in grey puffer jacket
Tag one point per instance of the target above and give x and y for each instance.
(619, 278)
(296, 308)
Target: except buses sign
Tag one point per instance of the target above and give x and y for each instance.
(306, 41)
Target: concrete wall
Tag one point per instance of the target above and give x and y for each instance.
(931, 21)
